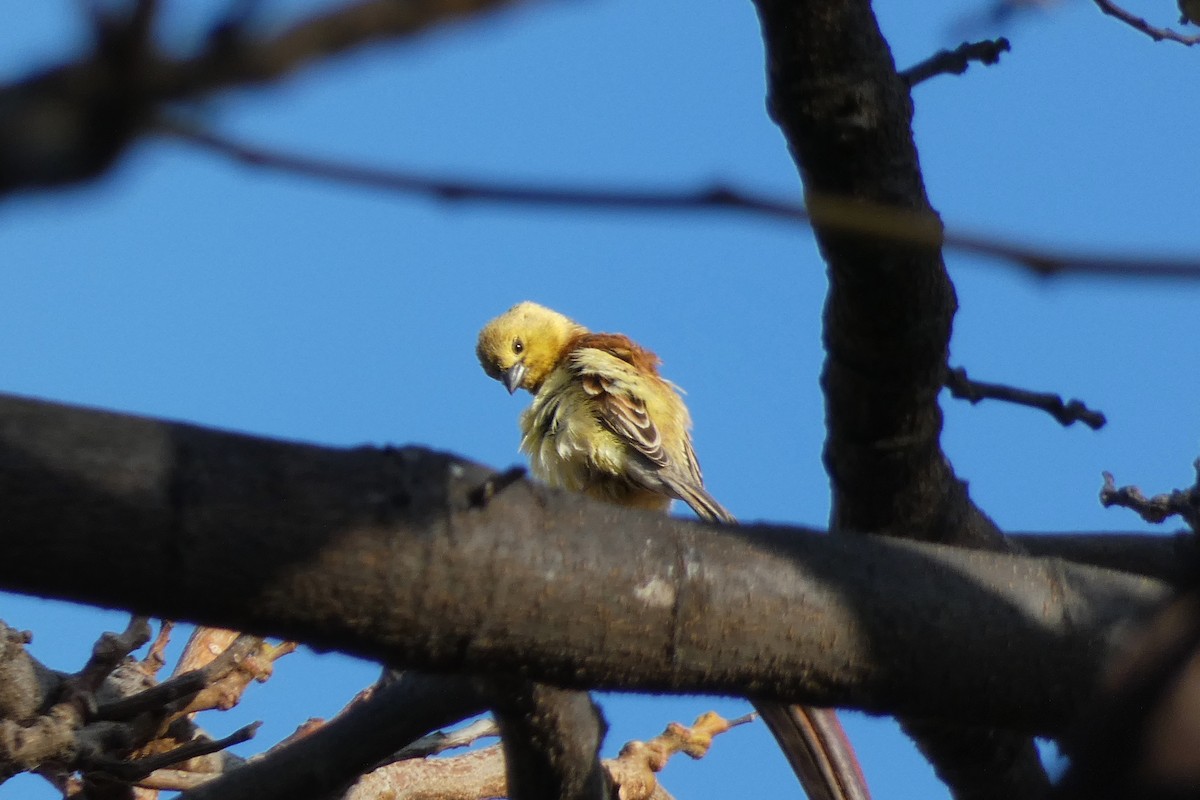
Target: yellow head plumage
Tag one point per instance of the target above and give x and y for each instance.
(522, 346)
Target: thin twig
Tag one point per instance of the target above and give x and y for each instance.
(1138, 23)
(883, 222)
(956, 61)
(1068, 413)
(1184, 503)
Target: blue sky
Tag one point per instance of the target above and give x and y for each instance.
(186, 287)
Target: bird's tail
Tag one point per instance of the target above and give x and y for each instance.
(703, 503)
(812, 739)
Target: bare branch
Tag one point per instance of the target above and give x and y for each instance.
(882, 222)
(156, 657)
(109, 651)
(635, 769)
(470, 776)
(205, 645)
(633, 773)
(1165, 558)
(71, 123)
(1138, 23)
(1184, 503)
(156, 697)
(110, 722)
(888, 609)
(441, 741)
(1068, 413)
(174, 780)
(25, 683)
(956, 61)
(134, 771)
(53, 736)
(247, 659)
(332, 757)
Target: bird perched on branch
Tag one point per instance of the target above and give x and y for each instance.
(605, 423)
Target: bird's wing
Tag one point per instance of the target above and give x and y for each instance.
(614, 384)
(624, 413)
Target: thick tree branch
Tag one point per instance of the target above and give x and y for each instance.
(551, 740)
(846, 113)
(26, 685)
(367, 550)
(1170, 559)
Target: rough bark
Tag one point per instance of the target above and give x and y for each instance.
(423, 560)
(846, 113)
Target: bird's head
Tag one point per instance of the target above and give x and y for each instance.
(523, 345)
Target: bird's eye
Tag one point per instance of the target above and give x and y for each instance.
(518, 346)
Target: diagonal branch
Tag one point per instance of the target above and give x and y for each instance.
(1140, 24)
(956, 61)
(886, 223)
(133, 771)
(71, 123)
(328, 760)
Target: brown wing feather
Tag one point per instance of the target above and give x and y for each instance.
(625, 415)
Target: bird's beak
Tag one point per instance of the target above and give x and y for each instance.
(513, 377)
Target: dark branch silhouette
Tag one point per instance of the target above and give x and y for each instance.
(888, 224)
(327, 761)
(1066, 413)
(956, 61)
(74, 121)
